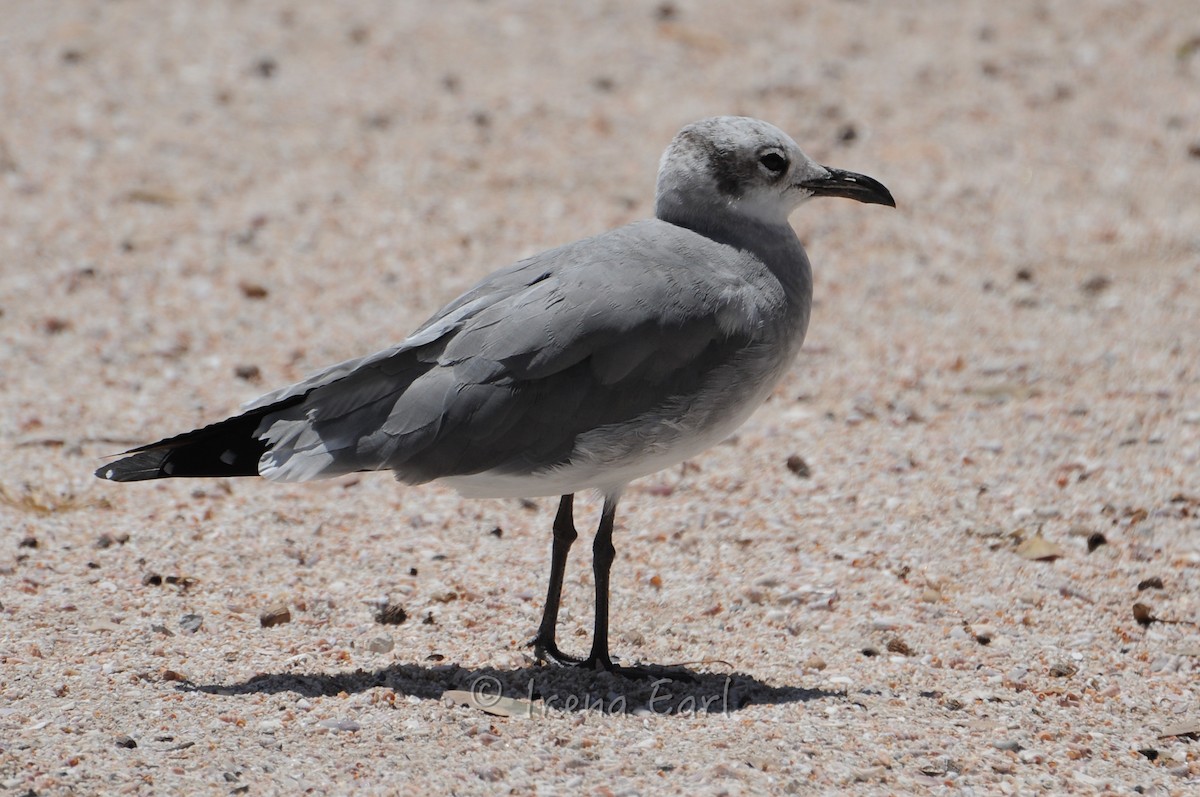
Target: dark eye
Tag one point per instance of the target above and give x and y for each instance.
(774, 162)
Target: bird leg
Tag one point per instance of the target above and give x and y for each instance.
(599, 658)
(603, 554)
(544, 646)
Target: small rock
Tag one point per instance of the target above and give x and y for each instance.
(1038, 549)
(1012, 745)
(28, 542)
(1095, 285)
(869, 773)
(252, 290)
(1154, 582)
(107, 540)
(815, 662)
(275, 615)
(1143, 614)
(126, 741)
(339, 725)
(381, 644)
(1063, 669)
(250, 372)
(490, 774)
(634, 638)
(1095, 540)
(797, 465)
(191, 623)
(391, 614)
(270, 726)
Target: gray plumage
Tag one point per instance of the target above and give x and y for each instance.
(585, 366)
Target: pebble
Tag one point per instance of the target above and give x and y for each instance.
(381, 644)
(869, 773)
(339, 725)
(1063, 670)
(270, 726)
(191, 623)
(797, 465)
(391, 614)
(885, 623)
(1007, 744)
(277, 614)
(960, 634)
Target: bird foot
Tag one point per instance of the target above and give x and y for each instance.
(548, 653)
(638, 672)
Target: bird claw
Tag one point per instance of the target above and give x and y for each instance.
(548, 653)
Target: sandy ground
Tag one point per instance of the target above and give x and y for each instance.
(201, 201)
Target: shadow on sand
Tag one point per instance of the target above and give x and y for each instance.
(546, 689)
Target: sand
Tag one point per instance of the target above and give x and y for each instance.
(993, 429)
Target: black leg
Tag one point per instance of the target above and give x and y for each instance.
(599, 658)
(544, 646)
(603, 554)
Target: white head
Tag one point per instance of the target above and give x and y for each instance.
(746, 167)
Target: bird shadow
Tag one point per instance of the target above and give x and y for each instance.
(538, 689)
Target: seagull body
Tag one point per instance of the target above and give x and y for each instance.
(583, 367)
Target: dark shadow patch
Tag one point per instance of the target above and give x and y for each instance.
(551, 689)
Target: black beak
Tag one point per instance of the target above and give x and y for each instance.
(851, 186)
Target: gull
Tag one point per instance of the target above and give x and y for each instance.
(583, 367)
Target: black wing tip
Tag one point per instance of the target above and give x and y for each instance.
(141, 466)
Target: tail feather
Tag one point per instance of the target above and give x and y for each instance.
(226, 448)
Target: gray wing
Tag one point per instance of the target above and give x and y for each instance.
(505, 378)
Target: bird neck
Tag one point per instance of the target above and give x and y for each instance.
(774, 244)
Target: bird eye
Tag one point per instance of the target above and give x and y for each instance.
(774, 162)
